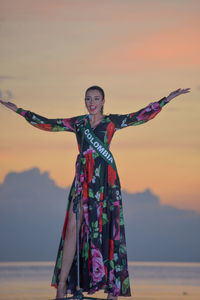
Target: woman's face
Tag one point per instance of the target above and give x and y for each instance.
(94, 102)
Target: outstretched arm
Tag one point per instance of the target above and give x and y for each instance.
(43, 123)
(145, 114)
(40, 122)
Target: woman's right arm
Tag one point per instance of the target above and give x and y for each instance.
(40, 122)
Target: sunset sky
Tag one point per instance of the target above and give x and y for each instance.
(138, 52)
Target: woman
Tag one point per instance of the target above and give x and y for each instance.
(103, 252)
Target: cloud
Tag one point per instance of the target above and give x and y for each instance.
(6, 77)
(7, 95)
(32, 211)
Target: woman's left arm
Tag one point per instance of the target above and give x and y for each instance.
(145, 114)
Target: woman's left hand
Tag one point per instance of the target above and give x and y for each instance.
(177, 93)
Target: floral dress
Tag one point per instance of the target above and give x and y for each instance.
(103, 251)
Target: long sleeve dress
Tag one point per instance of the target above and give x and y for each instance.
(103, 251)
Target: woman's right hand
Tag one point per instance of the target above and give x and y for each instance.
(9, 105)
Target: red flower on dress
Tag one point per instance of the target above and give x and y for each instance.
(89, 167)
(110, 131)
(132, 114)
(85, 190)
(111, 175)
(47, 127)
(153, 115)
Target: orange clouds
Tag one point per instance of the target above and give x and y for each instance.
(173, 48)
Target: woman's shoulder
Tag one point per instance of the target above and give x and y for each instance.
(113, 117)
(75, 118)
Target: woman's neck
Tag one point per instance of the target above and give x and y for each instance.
(96, 119)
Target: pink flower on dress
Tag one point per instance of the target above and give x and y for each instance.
(116, 290)
(98, 207)
(116, 287)
(86, 213)
(66, 122)
(153, 107)
(89, 150)
(81, 178)
(97, 264)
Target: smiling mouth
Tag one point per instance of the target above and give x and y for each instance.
(92, 108)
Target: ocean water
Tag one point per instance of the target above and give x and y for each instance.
(167, 273)
(19, 279)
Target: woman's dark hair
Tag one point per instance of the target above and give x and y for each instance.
(98, 88)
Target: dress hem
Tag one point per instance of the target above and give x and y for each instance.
(91, 291)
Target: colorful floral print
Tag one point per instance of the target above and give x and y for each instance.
(103, 251)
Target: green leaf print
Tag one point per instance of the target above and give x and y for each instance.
(105, 120)
(83, 160)
(112, 264)
(111, 207)
(95, 155)
(37, 120)
(101, 188)
(91, 193)
(105, 138)
(60, 260)
(121, 217)
(95, 224)
(104, 203)
(72, 191)
(57, 128)
(100, 170)
(114, 186)
(104, 218)
(85, 251)
(125, 285)
(54, 278)
(122, 249)
(139, 122)
(95, 235)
